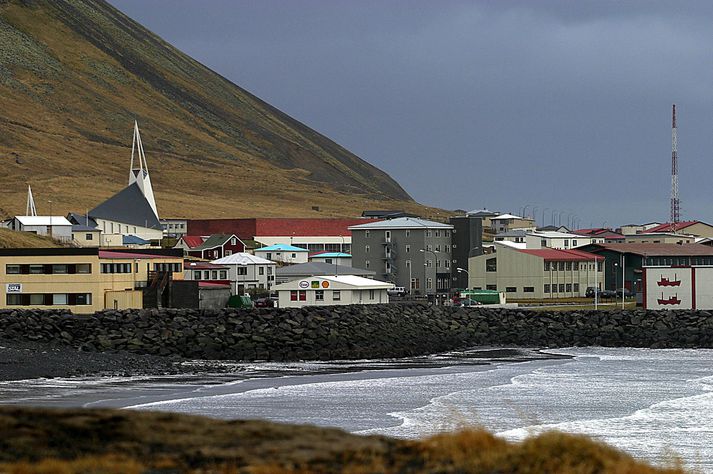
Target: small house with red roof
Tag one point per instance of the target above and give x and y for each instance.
(211, 248)
(601, 235)
(536, 273)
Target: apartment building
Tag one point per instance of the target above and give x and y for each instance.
(83, 280)
(410, 252)
(536, 273)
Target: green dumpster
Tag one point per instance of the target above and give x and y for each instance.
(482, 296)
(237, 301)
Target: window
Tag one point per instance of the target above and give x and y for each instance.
(543, 243)
(438, 248)
(429, 248)
(268, 255)
(576, 287)
(491, 265)
(366, 234)
(261, 270)
(569, 266)
(428, 233)
(561, 266)
(14, 300)
(438, 233)
(574, 243)
(366, 263)
(294, 255)
(408, 249)
(510, 289)
(223, 274)
(293, 295)
(408, 233)
(89, 237)
(448, 263)
(319, 295)
(206, 275)
(561, 288)
(83, 268)
(197, 275)
(233, 241)
(59, 299)
(529, 289)
(12, 270)
(547, 287)
(228, 252)
(214, 275)
(448, 248)
(269, 270)
(566, 242)
(553, 266)
(569, 288)
(547, 266)
(336, 295)
(491, 287)
(415, 283)
(242, 270)
(429, 283)
(37, 299)
(387, 235)
(599, 266)
(448, 233)
(366, 248)
(37, 269)
(328, 260)
(303, 295)
(429, 263)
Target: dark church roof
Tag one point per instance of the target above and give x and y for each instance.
(128, 206)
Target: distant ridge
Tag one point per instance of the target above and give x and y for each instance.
(74, 75)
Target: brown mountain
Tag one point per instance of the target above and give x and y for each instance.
(75, 74)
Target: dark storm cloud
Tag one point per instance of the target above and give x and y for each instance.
(560, 104)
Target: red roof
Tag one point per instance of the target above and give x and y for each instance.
(210, 284)
(562, 255)
(275, 227)
(601, 232)
(109, 254)
(192, 240)
(669, 227)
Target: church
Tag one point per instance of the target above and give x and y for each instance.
(132, 211)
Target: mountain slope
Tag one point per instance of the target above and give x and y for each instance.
(75, 74)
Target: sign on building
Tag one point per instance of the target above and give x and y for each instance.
(13, 288)
(678, 287)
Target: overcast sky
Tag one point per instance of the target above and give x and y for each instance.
(552, 104)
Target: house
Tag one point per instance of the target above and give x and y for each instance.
(332, 291)
(315, 235)
(214, 247)
(57, 227)
(634, 256)
(332, 258)
(206, 271)
(506, 222)
(632, 229)
(694, 228)
(600, 235)
(409, 252)
(213, 295)
(85, 280)
(659, 238)
(536, 273)
(174, 228)
(283, 253)
(305, 270)
(188, 242)
(86, 236)
(554, 240)
(247, 272)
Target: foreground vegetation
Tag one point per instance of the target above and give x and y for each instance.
(109, 441)
(11, 239)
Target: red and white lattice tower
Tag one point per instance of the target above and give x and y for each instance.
(675, 202)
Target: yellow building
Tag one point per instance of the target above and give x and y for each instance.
(83, 280)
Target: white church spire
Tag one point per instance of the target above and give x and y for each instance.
(139, 173)
(31, 209)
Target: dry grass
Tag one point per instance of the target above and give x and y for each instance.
(11, 239)
(103, 441)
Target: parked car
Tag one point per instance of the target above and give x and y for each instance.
(589, 293)
(396, 291)
(468, 302)
(607, 294)
(627, 293)
(264, 303)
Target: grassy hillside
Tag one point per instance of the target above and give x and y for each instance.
(11, 239)
(75, 74)
(44, 441)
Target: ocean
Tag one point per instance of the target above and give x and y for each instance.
(654, 404)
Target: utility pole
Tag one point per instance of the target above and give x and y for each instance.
(675, 202)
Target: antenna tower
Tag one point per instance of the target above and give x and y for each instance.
(675, 202)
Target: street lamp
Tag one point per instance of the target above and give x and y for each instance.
(435, 272)
(463, 270)
(50, 218)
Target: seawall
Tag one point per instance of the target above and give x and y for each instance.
(352, 332)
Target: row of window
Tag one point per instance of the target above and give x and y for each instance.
(678, 261)
(49, 299)
(367, 249)
(429, 233)
(210, 275)
(126, 267)
(301, 295)
(525, 289)
(562, 287)
(567, 266)
(48, 269)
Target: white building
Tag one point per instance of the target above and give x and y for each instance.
(506, 222)
(555, 240)
(283, 253)
(333, 258)
(56, 226)
(247, 272)
(332, 291)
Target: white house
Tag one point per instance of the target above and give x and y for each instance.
(334, 258)
(247, 272)
(555, 240)
(56, 226)
(283, 253)
(332, 291)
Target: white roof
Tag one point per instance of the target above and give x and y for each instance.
(402, 223)
(509, 216)
(557, 235)
(43, 220)
(349, 280)
(515, 245)
(242, 258)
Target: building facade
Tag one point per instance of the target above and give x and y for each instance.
(332, 291)
(536, 273)
(409, 252)
(466, 242)
(247, 272)
(283, 253)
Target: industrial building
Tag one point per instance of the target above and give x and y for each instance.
(332, 291)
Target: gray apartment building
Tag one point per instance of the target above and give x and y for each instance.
(409, 252)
